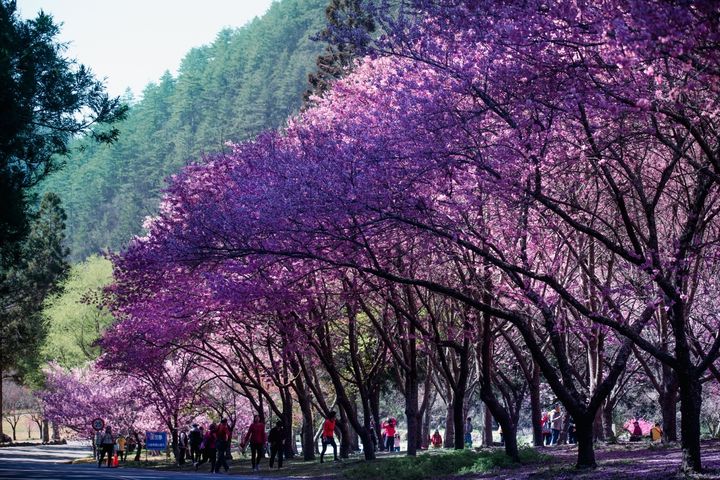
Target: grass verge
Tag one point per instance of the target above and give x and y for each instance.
(432, 465)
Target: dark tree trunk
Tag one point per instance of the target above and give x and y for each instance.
(536, 408)
(375, 408)
(426, 427)
(45, 431)
(411, 408)
(458, 410)
(668, 405)
(308, 434)
(287, 418)
(607, 412)
(174, 444)
(584, 434)
(449, 426)
(345, 434)
(487, 427)
(690, 403)
(598, 426)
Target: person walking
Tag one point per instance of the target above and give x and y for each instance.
(256, 437)
(107, 447)
(556, 422)
(276, 438)
(194, 439)
(208, 446)
(328, 436)
(223, 441)
(468, 433)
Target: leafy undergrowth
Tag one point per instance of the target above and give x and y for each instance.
(428, 465)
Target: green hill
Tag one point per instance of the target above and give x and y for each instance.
(249, 79)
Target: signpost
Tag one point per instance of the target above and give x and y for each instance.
(98, 424)
(155, 441)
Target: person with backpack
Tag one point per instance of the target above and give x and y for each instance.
(194, 439)
(223, 442)
(328, 436)
(208, 446)
(107, 447)
(256, 437)
(276, 438)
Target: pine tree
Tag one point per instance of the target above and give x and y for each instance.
(347, 33)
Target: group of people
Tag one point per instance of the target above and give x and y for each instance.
(212, 445)
(636, 434)
(436, 440)
(106, 445)
(552, 425)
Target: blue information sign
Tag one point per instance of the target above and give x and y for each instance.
(155, 440)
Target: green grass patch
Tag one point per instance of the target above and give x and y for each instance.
(433, 465)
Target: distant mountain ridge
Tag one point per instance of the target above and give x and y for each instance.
(248, 80)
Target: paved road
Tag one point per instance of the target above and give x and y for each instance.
(51, 462)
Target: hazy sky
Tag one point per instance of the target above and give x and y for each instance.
(132, 42)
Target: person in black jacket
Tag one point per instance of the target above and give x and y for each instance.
(276, 439)
(195, 438)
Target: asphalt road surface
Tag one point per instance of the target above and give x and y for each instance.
(51, 462)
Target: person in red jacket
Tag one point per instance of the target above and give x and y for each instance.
(389, 430)
(328, 436)
(223, 443)
(256, 436)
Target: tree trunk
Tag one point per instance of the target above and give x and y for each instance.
(345, 432)
(287, 418)
(607, 412)
(458, 410)
(426, 428)
(411, 408)
(584, 434)
(375, 412)
(56, 431)
(536, 408)
(308, 440)
(598, 430)
(668, 405)
(2, 416)
(174, 434)
(45, 431)
(487, 427)
(690, 403)
(449, 426)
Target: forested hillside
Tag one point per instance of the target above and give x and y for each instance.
(249, 79)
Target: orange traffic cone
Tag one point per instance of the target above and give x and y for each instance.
(115, 460)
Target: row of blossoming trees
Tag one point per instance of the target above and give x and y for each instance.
(512, 194)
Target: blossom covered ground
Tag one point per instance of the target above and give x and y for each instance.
(631, 461)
